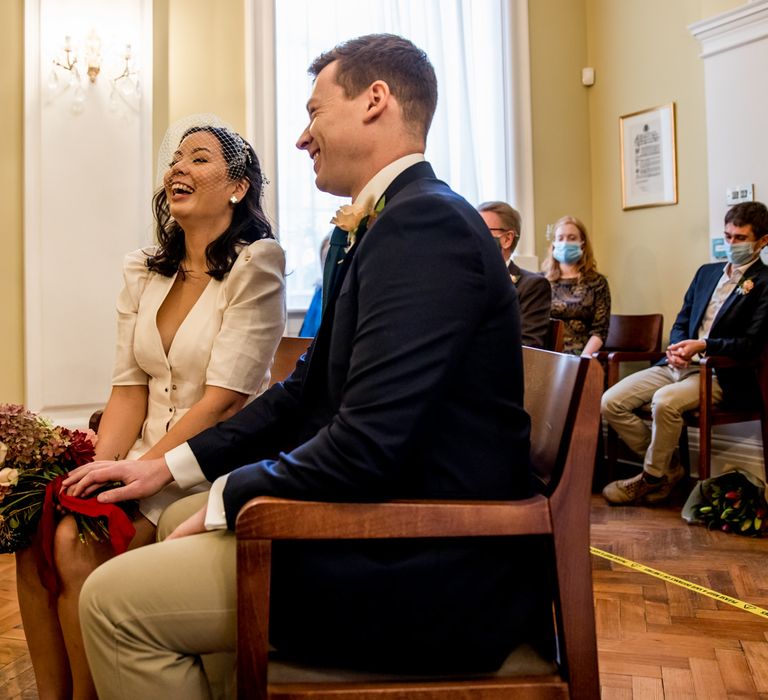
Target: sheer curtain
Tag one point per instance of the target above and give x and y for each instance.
(470, 144)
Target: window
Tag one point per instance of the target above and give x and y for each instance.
(469, 144)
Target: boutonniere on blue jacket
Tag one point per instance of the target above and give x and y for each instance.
(350, 217)
(745, 286)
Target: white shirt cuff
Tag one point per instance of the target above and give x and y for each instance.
(184, 467)
(215, 517)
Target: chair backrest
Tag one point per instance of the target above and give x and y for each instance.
(287, 354)
(634, 332)
(553, 383)
(554, 339)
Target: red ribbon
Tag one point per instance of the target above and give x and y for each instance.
(121, 530)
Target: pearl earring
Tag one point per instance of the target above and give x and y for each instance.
(233, 200)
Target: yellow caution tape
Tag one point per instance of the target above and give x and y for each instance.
(695, 587)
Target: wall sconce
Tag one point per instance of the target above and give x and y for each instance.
(65, 75)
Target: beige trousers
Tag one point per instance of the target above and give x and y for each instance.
(670, 392)
(151, 614)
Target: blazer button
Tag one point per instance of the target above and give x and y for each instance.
(166, 390)
(170, 410)
(174, 387)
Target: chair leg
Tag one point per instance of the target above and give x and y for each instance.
(611, 454)
(705, 450)
(684, 450)
(764, 428)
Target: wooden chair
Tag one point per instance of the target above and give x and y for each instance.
(554, 340)
(562, 395)
(631, 338)
(287, 354)
(706, 415)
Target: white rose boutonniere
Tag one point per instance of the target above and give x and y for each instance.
(350, 217)
(745, 287)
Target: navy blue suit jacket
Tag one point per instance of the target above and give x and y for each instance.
(413, 388)
(739, 330)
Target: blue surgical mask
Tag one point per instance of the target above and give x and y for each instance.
(739, 253)
(567, 252)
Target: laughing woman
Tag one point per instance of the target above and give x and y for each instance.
(199, 318)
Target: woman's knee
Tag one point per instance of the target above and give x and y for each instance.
(73, 557)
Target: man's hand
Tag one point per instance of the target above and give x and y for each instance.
(193, 525)
(680, 354)
(141, 479)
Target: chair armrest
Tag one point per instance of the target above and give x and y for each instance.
(635, 356)
(267, 517)
(721, 361)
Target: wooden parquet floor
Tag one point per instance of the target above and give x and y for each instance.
(656, 640)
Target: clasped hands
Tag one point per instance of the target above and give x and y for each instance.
(679, 355)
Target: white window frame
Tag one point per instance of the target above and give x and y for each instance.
(260, 71)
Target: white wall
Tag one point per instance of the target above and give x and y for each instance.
(87, 198)
(734, 48)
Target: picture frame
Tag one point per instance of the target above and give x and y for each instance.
(648, 158)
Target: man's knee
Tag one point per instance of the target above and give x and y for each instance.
(613, 401)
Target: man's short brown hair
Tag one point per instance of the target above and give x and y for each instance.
(754, 214)
(396, 61)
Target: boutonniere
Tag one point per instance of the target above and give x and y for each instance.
(350, 217)
(745, 287)
(515, 278)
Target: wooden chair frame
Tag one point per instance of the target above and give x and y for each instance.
(563, 516)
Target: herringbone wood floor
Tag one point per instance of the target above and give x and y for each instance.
(655, 639)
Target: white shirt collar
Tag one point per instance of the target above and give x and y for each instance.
(729, 270)
(371, 193)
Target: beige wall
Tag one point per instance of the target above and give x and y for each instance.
(11, 188)
(561, 158)
(643, 56)
(206, 64)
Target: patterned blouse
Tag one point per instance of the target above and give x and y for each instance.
(585, 309)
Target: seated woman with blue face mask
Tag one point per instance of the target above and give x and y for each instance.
(580, 294)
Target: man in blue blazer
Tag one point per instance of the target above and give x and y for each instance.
(413, 387)
(725, 312)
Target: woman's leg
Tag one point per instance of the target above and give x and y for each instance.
(42, 630)
(75, 561)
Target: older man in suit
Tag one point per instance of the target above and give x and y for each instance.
(412, 388)
(725, 312)
(533, 289)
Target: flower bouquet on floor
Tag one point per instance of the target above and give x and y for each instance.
(733, 501)
(35, 456)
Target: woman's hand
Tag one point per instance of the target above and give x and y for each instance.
(141, 478)
(193, 525)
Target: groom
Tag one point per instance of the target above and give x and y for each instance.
(413, 388)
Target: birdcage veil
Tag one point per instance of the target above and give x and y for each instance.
(234, 148)
(201, 155)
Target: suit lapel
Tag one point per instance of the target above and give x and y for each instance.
(702, 300)
(318, 358)
(735, 296)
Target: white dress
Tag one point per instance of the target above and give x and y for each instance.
(228, 340)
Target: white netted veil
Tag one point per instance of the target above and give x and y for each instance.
(234, 150)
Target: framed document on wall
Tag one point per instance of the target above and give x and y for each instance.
(648, 158)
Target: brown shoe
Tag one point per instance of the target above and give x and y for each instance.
(627, 492)
(668, 483)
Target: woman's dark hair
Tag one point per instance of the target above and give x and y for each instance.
(248, 220)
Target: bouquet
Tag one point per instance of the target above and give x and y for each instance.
(732, 502)
(35, 456)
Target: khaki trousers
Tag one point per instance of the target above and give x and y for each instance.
(670, 392)
(149, 615)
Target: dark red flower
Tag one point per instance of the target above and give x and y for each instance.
(80, 450)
